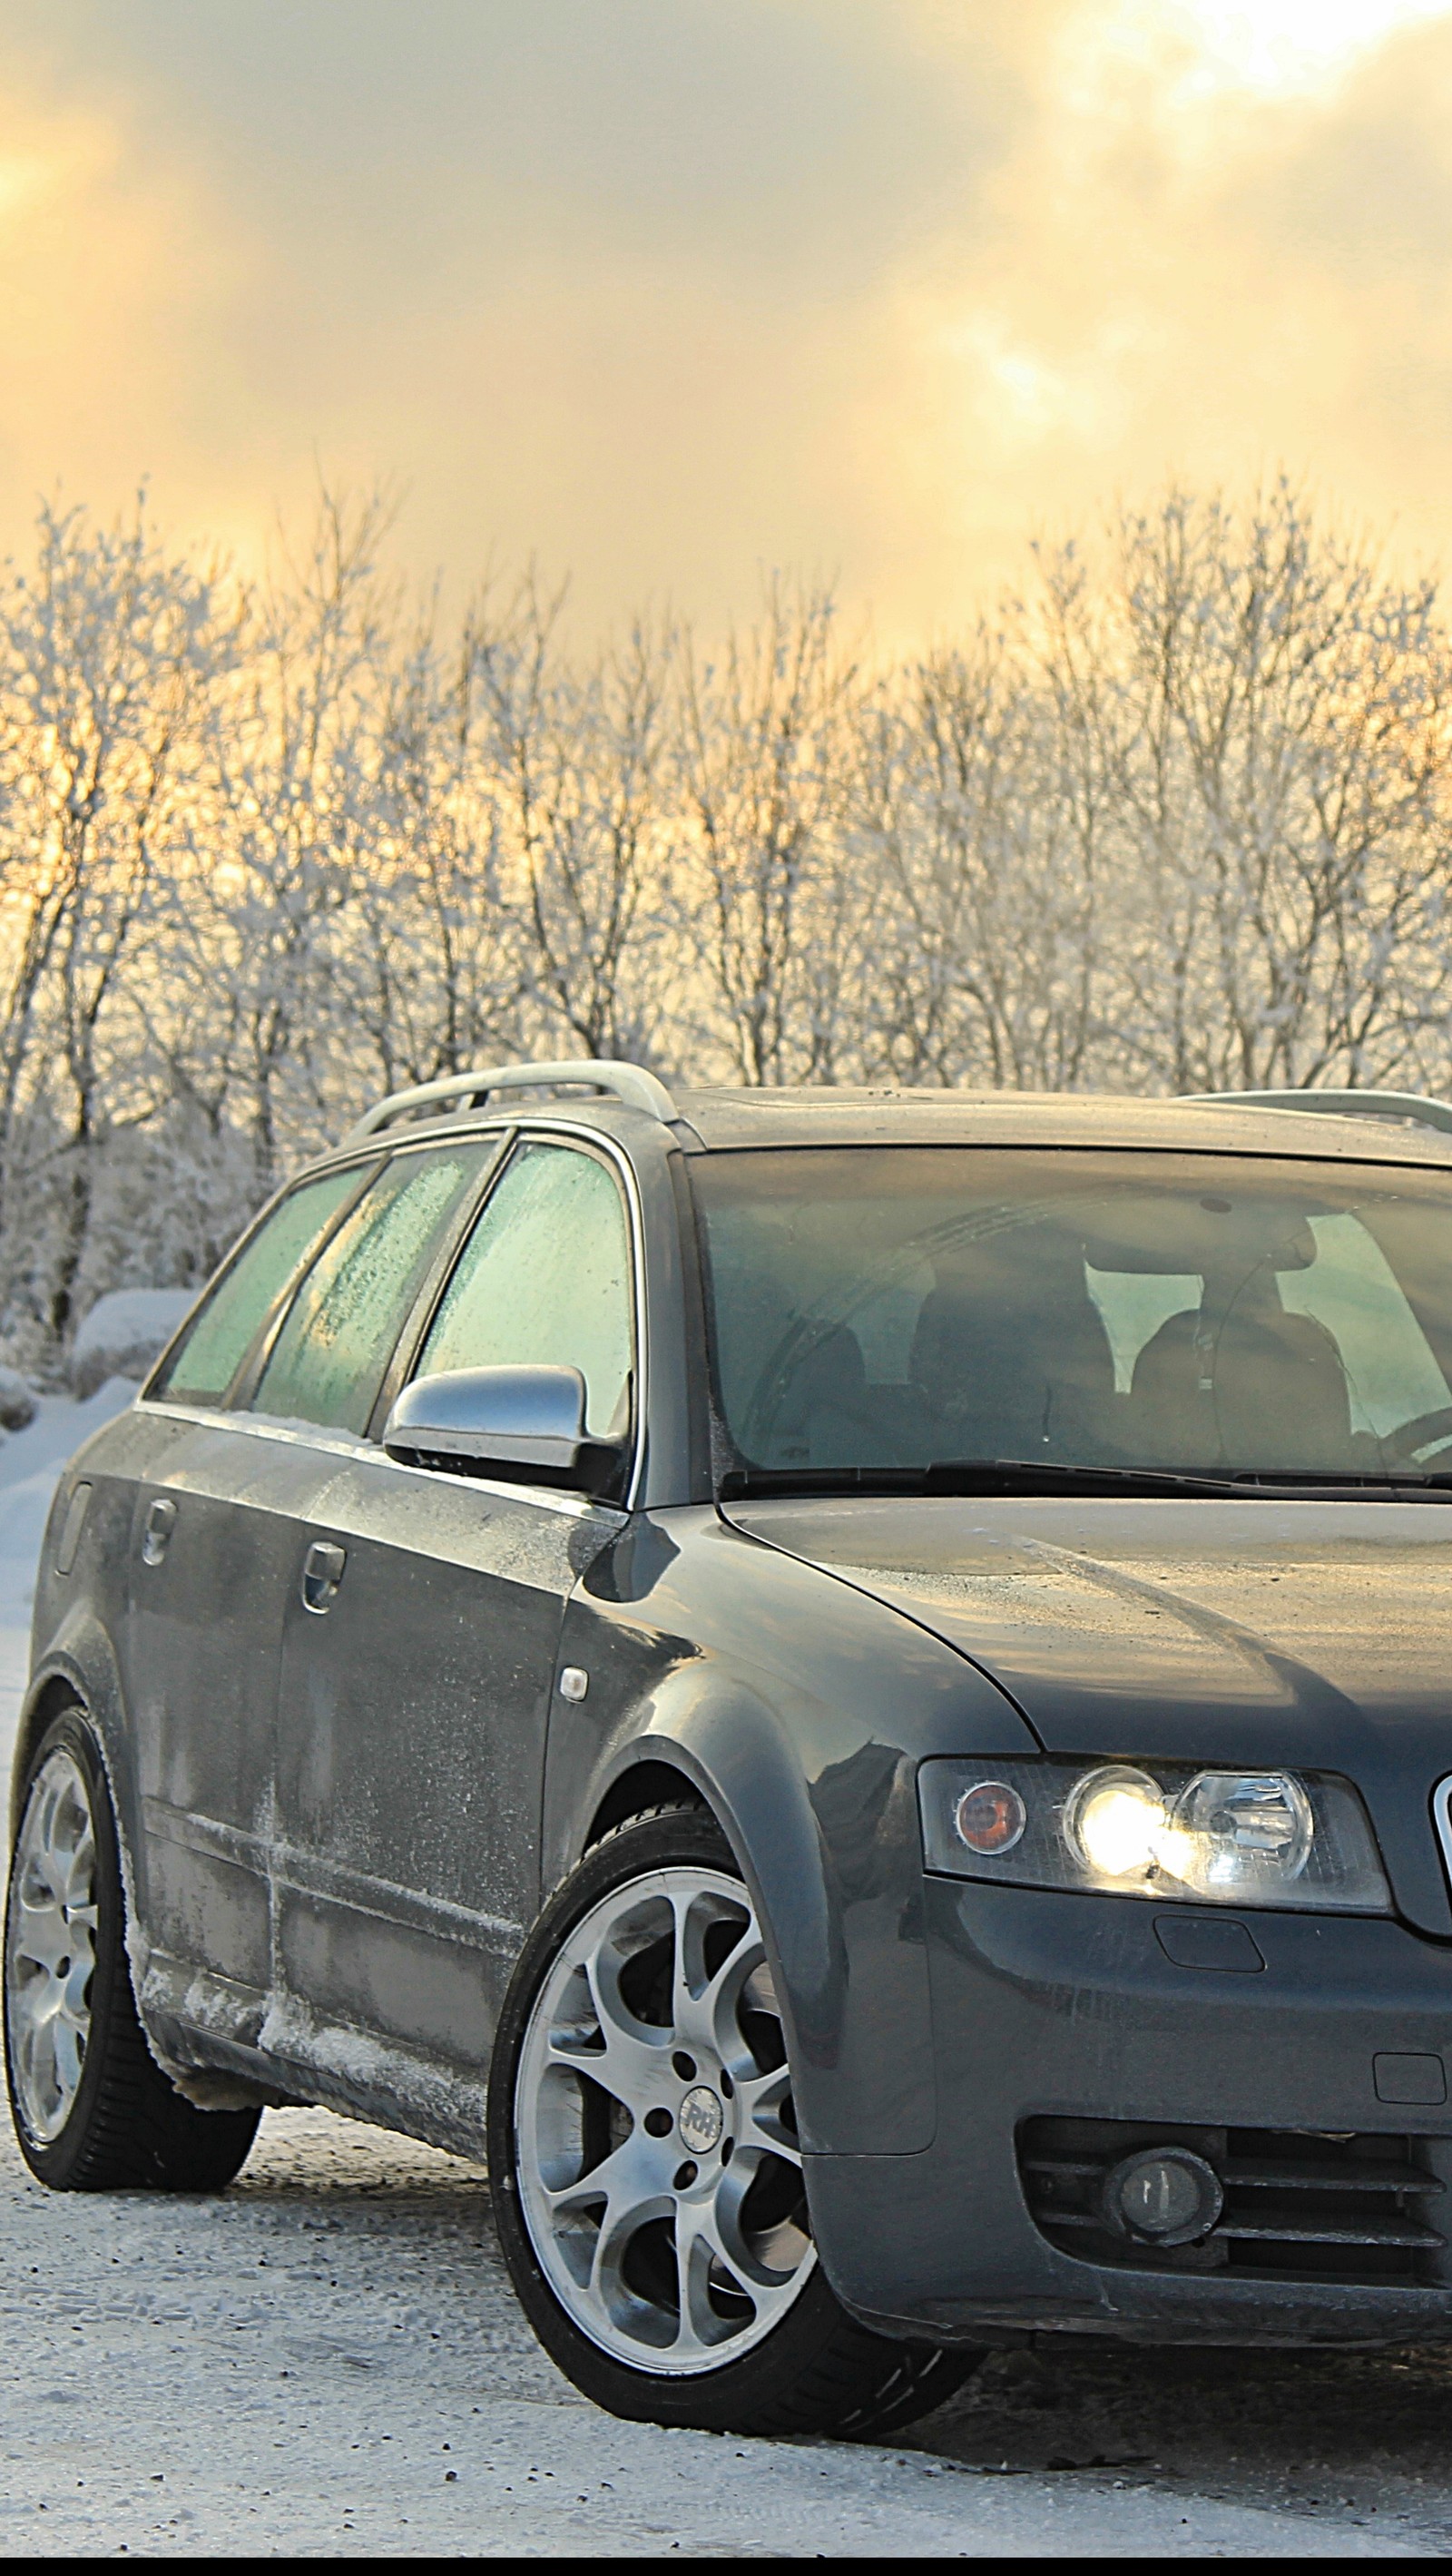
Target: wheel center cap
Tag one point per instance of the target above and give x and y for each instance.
(701, 2119)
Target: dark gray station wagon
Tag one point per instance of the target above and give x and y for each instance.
(853, 1689)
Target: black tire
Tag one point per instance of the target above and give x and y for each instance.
(817, 2370)
(127, 2128)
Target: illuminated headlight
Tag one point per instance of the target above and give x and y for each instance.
(1115, 1821)
(1174, 1830)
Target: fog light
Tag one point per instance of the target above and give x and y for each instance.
(990, 1817)
(1162, 2196)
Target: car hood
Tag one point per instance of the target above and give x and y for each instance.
(1318, 1634)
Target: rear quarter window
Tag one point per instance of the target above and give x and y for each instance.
(327, 1363)
(227, 1323)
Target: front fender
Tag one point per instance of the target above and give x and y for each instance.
(800, 1709)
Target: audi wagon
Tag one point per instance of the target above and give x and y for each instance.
(852, 1690)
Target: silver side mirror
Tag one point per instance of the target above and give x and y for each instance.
(514, 1421)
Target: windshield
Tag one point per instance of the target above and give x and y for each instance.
(892, 1309)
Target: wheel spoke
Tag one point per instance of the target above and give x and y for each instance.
(627, 2179)
(37, 2062)
(39, 1935)
(621, 2224)
(704, 2000)
(80, 1872)
(67, 2050)
(700, 2255)
(763, 2099)
(630, 2055)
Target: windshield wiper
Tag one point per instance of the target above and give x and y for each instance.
(1029, 1476)
(969, 1476)
(1058, 1476)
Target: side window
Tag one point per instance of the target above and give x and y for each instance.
(1353, 1291)
(544, 1281)
(1134, 1304)
(223, 1330)
(327, 1363)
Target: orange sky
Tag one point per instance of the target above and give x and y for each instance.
(668, 290)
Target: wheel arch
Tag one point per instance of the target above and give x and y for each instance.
(55, 1693)
(645, 1783)
(706, 1740)
(80, 1670)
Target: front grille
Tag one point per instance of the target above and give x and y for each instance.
(1298, 2207)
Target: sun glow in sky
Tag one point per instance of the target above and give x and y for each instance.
(1288, 45)
(665, 294)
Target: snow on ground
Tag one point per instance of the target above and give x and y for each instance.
(328, 2361)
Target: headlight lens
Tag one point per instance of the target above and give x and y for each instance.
(1115, 1821)
(1174, 1830)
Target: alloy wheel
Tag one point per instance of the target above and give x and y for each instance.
(50, 1945)
(659, 2173)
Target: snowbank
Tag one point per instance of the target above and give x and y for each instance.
(123, 1333)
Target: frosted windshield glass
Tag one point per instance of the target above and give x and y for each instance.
(228, 1324)
(544, 1282)
(328, 1360)
(885, 1309)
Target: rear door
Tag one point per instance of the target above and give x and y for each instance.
(416, 1673)
(206, 1582)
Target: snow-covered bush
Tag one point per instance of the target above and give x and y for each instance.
(17, 1401)
(123, 1333)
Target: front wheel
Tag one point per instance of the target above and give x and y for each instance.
(648, 2184)
(92, 2109)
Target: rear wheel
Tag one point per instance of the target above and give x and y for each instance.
(649, 2190)
(92, 2109)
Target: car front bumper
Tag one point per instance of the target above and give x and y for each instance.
(1051, 2011)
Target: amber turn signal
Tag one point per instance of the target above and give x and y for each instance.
(990, 1817)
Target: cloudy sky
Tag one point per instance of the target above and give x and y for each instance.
(668, 290)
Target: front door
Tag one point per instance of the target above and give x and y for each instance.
(418, 1660)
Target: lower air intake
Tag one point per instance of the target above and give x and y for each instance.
(1355, 2209)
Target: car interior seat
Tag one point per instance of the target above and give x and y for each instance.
(1011, 1354)
(820, 1419)
(1242, 1383)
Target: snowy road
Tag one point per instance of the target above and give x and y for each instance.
(328, 2361)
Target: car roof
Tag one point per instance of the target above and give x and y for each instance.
(736, 1118)
(724, 1119)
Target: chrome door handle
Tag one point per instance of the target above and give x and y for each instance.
(321, 1575)
(160, 1522)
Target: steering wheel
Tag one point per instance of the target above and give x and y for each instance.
(1425, 1431)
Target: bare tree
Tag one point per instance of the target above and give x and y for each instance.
(762, 745)
(1283, 799)
(110, 648)
(1179, 817)
(578, 778)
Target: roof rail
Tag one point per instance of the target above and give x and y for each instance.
(1403, 1108)
(626, 1082)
